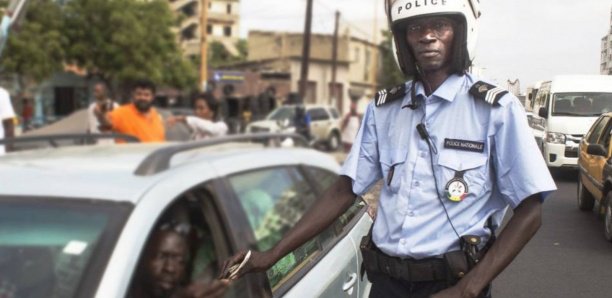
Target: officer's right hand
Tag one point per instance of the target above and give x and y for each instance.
(259, 261)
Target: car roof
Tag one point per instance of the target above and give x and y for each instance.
(106, 172)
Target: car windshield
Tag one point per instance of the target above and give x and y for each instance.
(47, 249)
(282, 113)
(584, 104)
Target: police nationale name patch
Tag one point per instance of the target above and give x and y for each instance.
(464, 145)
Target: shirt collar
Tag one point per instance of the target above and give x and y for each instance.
(447, 91)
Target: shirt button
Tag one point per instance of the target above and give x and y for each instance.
(403, 242)
(417, 183)
(411, 214)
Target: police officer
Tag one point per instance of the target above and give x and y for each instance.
(453, 152)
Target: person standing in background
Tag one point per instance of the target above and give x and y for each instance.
(27, 112)
(103, 103)
(206, 123)
(138, 118)
(7, 116)
(350, 127)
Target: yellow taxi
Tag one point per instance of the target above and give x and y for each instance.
(595, 166)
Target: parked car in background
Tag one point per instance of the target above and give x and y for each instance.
(76, 220)
(569, 105)
(595, 177)
(324, 126)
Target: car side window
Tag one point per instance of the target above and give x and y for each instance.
(274, 200)
(597, 129)
(604, 140)
(335, 113)
(318, 114)
(324, 179)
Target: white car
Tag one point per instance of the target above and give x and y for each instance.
(324, 126)
(74, 221)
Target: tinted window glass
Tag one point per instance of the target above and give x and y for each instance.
(274, 200)
(318, 114)
(335, 113)
(596, 132)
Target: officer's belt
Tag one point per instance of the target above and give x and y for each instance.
(430, 269)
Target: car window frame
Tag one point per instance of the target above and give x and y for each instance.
(96, 266)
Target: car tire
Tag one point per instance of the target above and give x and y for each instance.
(585, 199)
(608, 218)
(333, 143)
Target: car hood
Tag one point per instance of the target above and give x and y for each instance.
(570, 125)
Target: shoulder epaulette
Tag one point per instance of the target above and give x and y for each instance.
(389, 95)
(487, 92)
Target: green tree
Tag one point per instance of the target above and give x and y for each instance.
(124, 40)
(390, 74)
(220, 56)
(37, 50)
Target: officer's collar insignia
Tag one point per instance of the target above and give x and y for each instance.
(487, 92)
(389, 95)
(457, 189)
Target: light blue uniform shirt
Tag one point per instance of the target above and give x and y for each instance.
(411, 221)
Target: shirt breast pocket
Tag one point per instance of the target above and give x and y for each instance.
(470, 167)
(393, 163)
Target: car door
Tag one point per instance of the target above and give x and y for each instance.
(320, 122)
(274, 199)
(352, 226)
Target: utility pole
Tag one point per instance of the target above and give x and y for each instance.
(305, 51)
(203, 44)
(375, 52)
(334, 96)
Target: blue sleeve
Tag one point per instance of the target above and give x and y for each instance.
(519, 165)
(362, 164)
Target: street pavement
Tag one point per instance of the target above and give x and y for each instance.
(568, 257)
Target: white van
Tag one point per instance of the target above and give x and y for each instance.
(569, 105)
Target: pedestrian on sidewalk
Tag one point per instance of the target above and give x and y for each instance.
(350, 127)
(138, 118)
(7, 117)
(453, 153)
(207, 122)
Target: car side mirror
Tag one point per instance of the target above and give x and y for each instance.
(597, 149)
(543, 112)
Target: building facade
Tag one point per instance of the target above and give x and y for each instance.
(606, 51)
(223, 23)
(356, 68)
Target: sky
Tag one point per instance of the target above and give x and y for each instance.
(529, 40)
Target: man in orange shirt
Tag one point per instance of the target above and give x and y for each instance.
(138, 118)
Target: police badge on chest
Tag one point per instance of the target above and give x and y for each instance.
(457, 189)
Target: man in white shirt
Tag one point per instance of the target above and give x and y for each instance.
(103, 103)
(7, 116)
